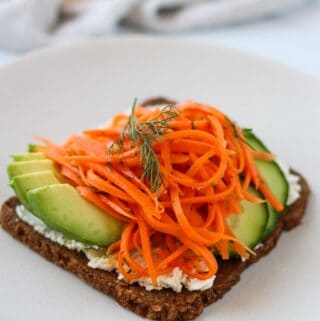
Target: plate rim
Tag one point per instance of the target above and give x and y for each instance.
(154, 40)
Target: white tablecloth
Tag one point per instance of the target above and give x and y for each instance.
(293, 39)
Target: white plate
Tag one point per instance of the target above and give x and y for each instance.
(61, 91)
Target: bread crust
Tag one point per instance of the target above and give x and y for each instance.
(156, 305)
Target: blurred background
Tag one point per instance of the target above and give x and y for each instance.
(283, 30)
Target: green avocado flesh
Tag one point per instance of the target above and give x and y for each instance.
(250, 224)
(26, 182)
(62, 208)
(28, 157)
(25, 167)
(273, 176)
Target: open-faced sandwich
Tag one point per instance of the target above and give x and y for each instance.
(162, 208)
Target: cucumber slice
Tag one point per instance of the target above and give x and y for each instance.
(273, 176)
(249, 226)
(33, 148)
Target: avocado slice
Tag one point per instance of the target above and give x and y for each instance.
(26, 182)
(62, 208)
(25, 167)
(28, 157)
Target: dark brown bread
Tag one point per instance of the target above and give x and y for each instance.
(157, 101)
(157, 305)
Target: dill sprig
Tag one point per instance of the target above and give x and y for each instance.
(144, 134)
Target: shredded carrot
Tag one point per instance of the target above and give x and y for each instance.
(223, 247)
(270, 197)
(114, 247)
(146, 249)
(206, 170)
(92, 197)
(262, 155)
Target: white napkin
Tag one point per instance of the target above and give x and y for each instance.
(187, 14)
(28, 24)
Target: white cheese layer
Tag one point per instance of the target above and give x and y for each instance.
(98, 259)
(293, 181)
(47, 232)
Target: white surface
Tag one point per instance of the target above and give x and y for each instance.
(291, 38)
(29, 24)
(66, 90)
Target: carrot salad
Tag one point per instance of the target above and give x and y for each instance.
(173, 175)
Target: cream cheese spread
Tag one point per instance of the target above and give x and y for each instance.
(47, 232)
(293, 181)
(98, 259)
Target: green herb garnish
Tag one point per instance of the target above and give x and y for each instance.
(144, 134)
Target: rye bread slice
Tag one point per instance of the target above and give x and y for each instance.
(157, 305)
